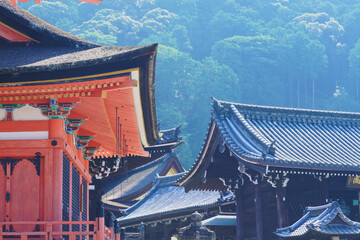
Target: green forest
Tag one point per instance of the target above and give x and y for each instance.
(291, 53)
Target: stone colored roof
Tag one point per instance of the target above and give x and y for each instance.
(327, 220)
(120, 187)
(290, 137)
(166, 199)
(287, 137)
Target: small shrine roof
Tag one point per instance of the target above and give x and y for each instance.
(138, 180)
(327, 220)
(166, 199)
(169, 135)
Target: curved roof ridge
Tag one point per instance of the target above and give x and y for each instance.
(235, 138)
(271, 112)
(38, 29)
(264, 143)
(322, 207)
(198, 158)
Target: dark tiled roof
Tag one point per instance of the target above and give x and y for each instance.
(120, 187)
(288, 137)
(42, 32)
(165, 198)
(35, 59)
(323, 220)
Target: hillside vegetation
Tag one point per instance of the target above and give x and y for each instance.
(272, 52)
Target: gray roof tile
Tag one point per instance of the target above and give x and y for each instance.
(167, 198)
(290, 137)
(135, 180)
(323, 220)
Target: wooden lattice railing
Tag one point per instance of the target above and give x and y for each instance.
(52, 230)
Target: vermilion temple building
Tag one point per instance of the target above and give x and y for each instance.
(62, 101)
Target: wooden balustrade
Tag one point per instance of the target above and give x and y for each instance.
(100, 231)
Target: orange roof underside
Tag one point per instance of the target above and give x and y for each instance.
(97, 101)
(101, 121)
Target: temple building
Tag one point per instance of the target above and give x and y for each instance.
(277, 161)
(167, 207)
(63, 101)
(124, 190)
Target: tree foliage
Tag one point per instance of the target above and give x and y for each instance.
(279, 52)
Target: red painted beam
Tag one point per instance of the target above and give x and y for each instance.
(92, 1)
(11, 34)
(15, 2)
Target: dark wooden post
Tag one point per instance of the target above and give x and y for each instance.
(280, 205)
(239, 215)
(166, 232)
(359, 200)
(258, 213)
(122, 233)
(324, 186)
(142, 231)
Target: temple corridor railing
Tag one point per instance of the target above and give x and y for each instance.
(49, 230)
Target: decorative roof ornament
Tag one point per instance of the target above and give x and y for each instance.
(15, 2)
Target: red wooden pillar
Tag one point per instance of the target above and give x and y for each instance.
(56, 131)
(48, 186)
(258, 213)
(57, 187)
(100, 222)
(7, 210)
(70, 195)
(239, 215)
